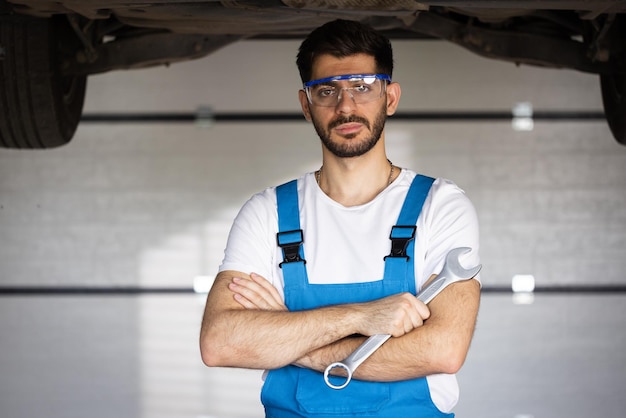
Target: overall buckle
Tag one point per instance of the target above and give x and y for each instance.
(290, 242)
(400, 237)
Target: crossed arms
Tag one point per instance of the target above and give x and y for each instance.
(246, 325)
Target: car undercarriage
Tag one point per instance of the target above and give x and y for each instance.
(48, 49)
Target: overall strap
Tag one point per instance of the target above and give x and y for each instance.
(290, 237)
(400, 260)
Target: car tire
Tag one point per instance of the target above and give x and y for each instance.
(614, 100)
(39, 106)
(613, 85)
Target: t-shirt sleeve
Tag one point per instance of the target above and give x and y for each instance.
(251, 244)
(451, 222)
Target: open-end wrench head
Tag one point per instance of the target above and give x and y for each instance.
(453, 264)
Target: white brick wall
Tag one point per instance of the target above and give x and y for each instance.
(151, 205)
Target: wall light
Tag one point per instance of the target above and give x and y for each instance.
(202, 284)
(204, 117)
(523, 283)
(522, 117)
(523, 286)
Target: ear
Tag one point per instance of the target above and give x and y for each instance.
(304, 103)
(393, 97)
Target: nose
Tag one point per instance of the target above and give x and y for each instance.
(345, 102)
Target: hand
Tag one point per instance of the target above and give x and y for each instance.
(396, 315)
(256, 293)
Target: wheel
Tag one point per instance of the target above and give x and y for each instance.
(613, 86)
(614, 100)
(39, 107)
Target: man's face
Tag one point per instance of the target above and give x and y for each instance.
(347, 129)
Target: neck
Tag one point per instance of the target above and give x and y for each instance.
(352, 183)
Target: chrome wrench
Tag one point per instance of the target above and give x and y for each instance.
(452, 272)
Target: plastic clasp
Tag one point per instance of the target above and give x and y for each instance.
(290, 242)
(400, 237)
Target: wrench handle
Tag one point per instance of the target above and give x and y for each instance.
(366, 349)
(432, 289)
(373, 343)
(452, 272)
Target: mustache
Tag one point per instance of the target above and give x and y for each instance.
(349, 119)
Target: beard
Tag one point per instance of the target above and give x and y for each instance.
(349, 149)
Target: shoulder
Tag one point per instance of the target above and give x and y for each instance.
(442, 191)
(450, 200)
(447, 208)
(447, 192)
(259, 206)
(449, 220)
(265, 201)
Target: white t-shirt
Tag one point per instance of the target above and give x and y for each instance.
(347, 244)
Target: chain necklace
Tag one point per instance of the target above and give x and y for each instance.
(318, 174)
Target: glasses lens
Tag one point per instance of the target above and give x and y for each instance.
(360, 89)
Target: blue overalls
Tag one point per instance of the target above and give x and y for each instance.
(298, 392)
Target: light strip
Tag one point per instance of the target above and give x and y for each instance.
(202, 284)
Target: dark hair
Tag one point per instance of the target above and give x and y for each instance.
(342, 38)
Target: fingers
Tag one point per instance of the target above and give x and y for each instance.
(405, 313)
(256, 293)
(416, 314)
(408, 316)
(268, 287)
(422, 309)
(418, 310)
(395, 315)
(245, 302)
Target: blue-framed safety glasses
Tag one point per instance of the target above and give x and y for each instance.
(362, 88)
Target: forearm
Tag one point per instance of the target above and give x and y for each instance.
(440, 346)
(435, 347)
(320, 358)
(411, 356)
(270, 339)
(269, 336)
(398, 359)
(245, 326)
